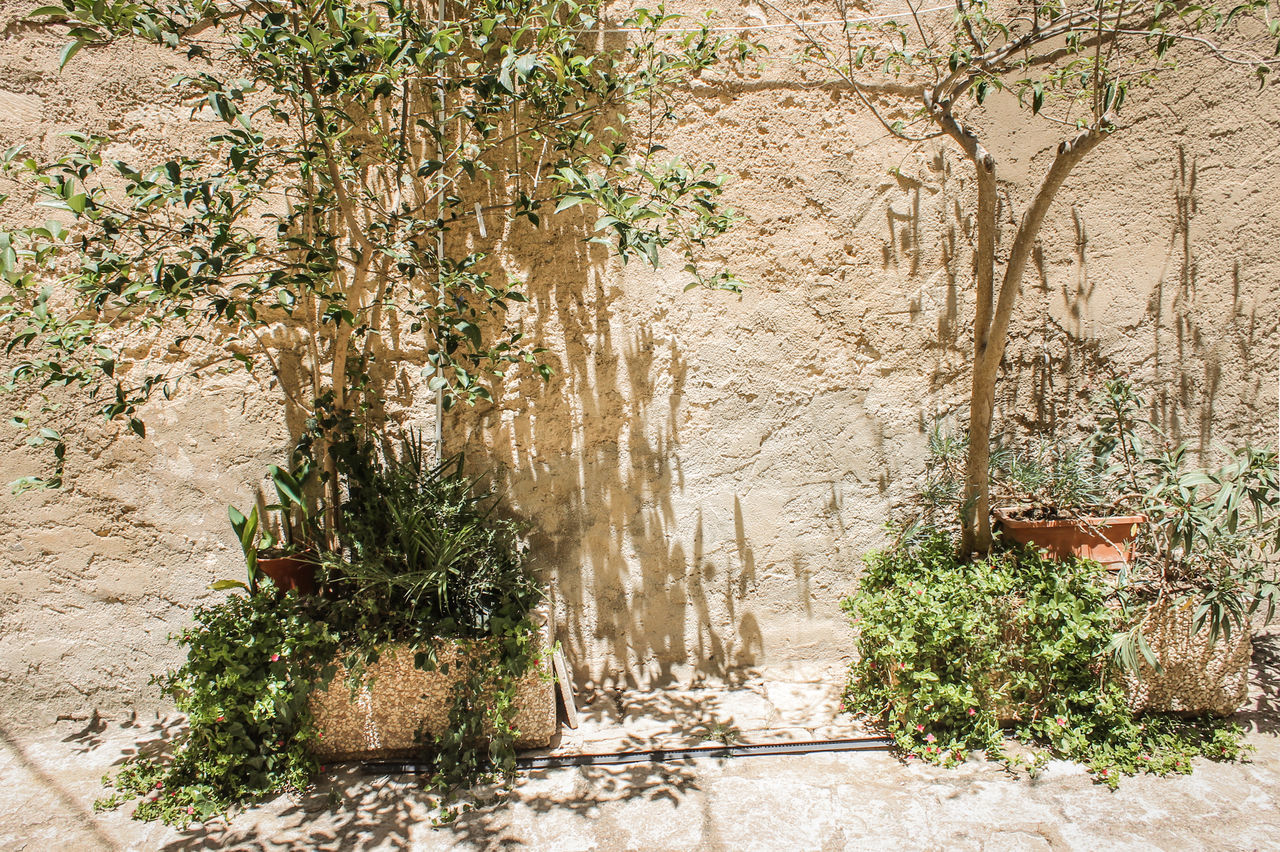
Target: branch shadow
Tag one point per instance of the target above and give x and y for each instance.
(591, 459)
(1262, 714)
(64, 800)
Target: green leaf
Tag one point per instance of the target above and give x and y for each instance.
(471, 331)
(569, 201)
(222, 585)
(68, 50)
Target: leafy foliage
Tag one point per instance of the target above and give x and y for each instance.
(1212, 538)
(252, 662)
(429, 539)
(429, 560)
(949, 648)
(373, 140)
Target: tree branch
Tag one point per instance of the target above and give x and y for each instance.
(1070, 152)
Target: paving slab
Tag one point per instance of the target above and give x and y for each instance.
(49, 778)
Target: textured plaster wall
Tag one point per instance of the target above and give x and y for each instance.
(95, 577)
(704, 471)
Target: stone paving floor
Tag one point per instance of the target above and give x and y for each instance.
(865, 800)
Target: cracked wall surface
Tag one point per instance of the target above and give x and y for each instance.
(704, 471)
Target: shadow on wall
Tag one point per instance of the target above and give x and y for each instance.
(1192, 366)
(1196, 329)
(592, 462)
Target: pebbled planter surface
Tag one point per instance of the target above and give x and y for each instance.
(396, 699)
(1197, 677)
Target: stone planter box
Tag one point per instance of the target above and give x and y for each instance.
(396, 700)
(1197, 677)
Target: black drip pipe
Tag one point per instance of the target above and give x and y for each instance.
(653, 755)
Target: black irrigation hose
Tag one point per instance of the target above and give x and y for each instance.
(653, 755)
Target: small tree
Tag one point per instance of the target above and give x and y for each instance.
(1071, 63)
(322, 234)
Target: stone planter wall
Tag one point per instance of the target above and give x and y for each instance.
(1197, 677)
(396, 700)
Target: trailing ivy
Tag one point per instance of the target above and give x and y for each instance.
(428, 563)
(951, 649)
(252, 662)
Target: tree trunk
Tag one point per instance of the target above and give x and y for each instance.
(991, 328)
(976, 510)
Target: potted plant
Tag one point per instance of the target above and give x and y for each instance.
(430, 643)
(1107, 539)
(426, 542)
(1057, 497)
(291, 561)
(1193, 552)
(1204, 567)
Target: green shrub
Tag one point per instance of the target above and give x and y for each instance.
(425, 557)
(252, 661)
(426, 543)
(948, 648)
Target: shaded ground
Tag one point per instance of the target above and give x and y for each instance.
(866, 800)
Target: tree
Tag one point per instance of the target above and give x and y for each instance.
(1072, 63)
(356, 145)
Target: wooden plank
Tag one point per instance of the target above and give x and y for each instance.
(565, 688)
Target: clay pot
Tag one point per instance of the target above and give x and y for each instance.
(295, 571)
(1108, 540)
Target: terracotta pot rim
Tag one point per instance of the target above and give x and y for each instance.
(1086, 521)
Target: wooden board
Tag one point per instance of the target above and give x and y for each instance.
(565, 684)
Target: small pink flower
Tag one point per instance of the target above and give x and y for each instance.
(1146, 757)
(1061, 721)
(971, 711)
(275, 658)
(919, 727)
(159, 785)
(930, 739)
(190, 811)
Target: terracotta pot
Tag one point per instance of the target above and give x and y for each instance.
(295, 571)
(1108, 540)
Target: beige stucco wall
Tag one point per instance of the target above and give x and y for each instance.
(704, 471)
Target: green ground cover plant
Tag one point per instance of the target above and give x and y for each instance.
(951, 649)
(961, 652)
(428, 559)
